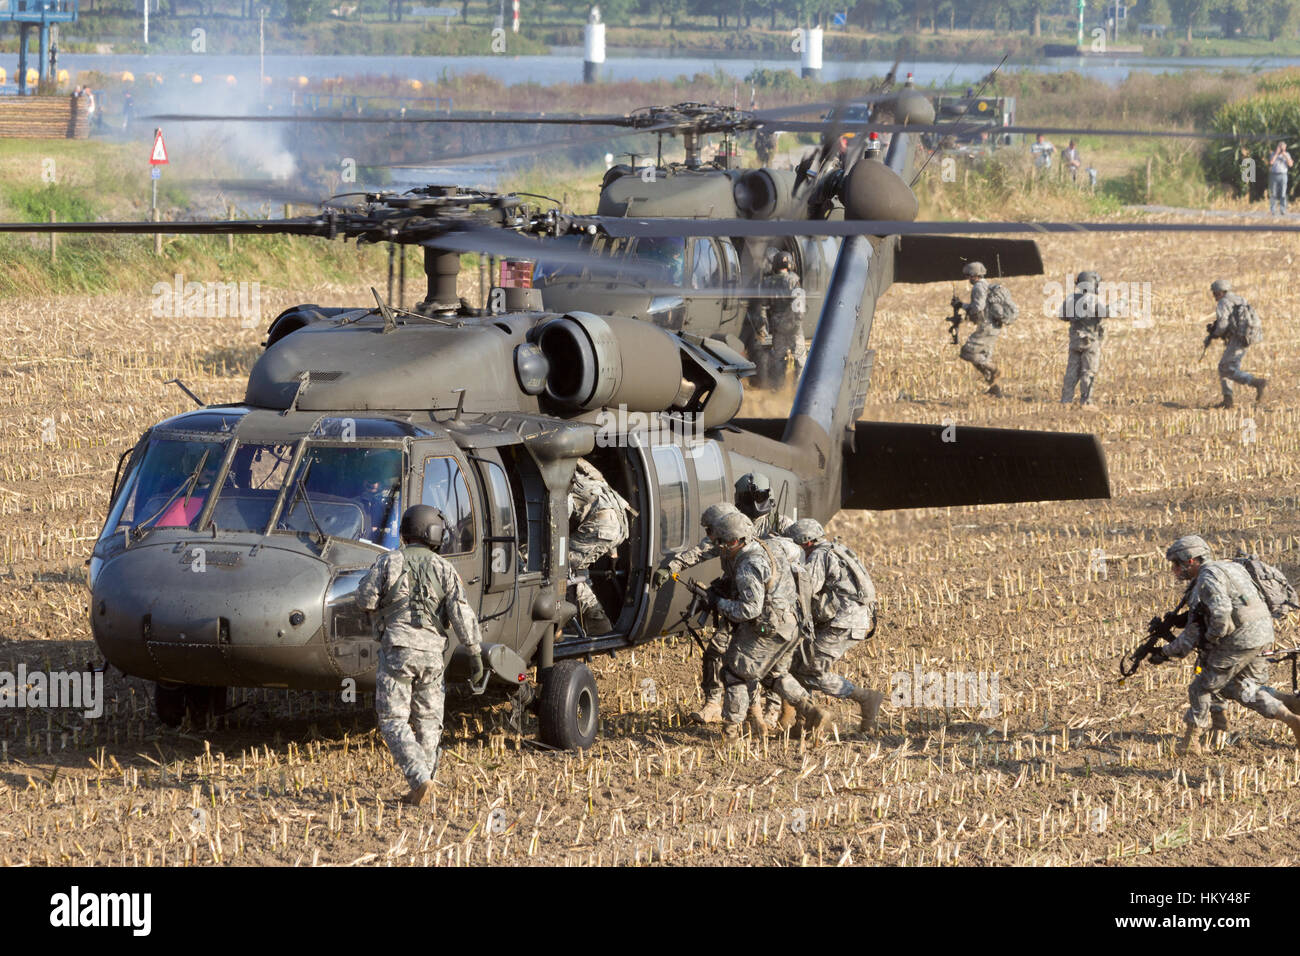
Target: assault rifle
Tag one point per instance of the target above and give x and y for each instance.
(1209, 337)
(954, 321)
(1291, 654)
(703, 605)
(1160, 630)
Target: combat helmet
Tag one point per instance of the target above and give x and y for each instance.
(733, 527)
(974, 268)
(754, 494)
(806, 531)
(424, 523)
(715, 513)
(1187, 547)
(781, 261)
(1090, 278)
(1220, 285)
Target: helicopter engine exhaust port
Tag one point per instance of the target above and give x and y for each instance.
(600, 362)
(767, 194)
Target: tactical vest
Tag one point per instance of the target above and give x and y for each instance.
(424, 605)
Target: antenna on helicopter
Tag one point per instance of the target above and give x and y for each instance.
(390, 318)
(181, 385)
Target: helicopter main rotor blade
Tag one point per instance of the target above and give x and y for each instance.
(774, 228)
(552, 252)
(961, 129)
(198, 227)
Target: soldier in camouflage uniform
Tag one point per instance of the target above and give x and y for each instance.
(841, 618)
(1234, 347)
(1084, 311)
(1230, 627)
(785, 311)
(754, 499)
(418, 595)
(601, 514)
(978, 349)
(764, 617)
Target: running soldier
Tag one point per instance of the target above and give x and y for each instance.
(764, 614)
(418, 595)
(978, 349)
(601, 516)
(844, 613)
(1237, 323)
(1084, 311)
(1230, 627)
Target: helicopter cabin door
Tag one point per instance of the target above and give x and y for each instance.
(441, 478)
(500, 540)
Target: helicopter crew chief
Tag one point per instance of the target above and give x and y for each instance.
(418, 595)
(978, 349)
(601, 516)
(763, 613)
(754, 498)
(785, 309)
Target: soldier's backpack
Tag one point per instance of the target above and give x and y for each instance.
(427, 602)
(1272, 585)
(1244, 324)
(999, 306)
(866, 590)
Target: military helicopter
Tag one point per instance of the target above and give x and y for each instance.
(283, 500)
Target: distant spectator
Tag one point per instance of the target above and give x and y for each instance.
(1278, 165)
(1071, 160)
(1042, 150)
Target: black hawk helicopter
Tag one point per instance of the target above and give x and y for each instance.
(351, 414)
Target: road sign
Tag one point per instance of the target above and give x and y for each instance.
(155, 173)
(158, 155)
(839, 19)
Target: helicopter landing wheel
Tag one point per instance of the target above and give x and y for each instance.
(174, 701)
(569, 709)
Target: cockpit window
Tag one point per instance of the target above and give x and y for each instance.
(168, 487)
(251, 486)
(352, 492)
(445, 489)
(669, 252)
(545, 272)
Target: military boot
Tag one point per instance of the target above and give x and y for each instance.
(419, 796)
(789, 719)
(596, 622)
(1190, 742)
(1260, 385)
(1292, 721)
(1226, 403)
(814, 716)
(710, 713)
(754, 722)
(868, 702)
(1218, 720)
(731, 730)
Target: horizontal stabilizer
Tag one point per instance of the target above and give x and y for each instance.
(897, 465)
(940, 258)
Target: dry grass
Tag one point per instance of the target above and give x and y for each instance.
(1072, 770)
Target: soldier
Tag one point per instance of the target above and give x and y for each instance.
(1235, 343)
(765, 146)
(418, 595)
(764, 615)
(1084, 311)
(754, 499)
(601, 516)
(978, 349)
(843, 611)
(711, 684)
(785, 309)
(1229, 626)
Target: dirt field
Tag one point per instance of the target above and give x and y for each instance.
(1065, 768)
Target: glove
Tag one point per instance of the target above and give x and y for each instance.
(477, 668)
(1158, 656)
(661, 577)
(956, 301)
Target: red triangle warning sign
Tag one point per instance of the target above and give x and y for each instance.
(158, 156)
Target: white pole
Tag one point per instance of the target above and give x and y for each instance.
(593, 57)
(146, 22)
(811, 65)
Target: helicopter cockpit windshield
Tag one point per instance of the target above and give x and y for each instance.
(169, 486)
(348, 491)
(668, 252)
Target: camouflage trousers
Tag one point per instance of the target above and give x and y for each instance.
(1231, 673)
(785, 341)
(753, 661)
(978, 350)
(1081, 369)
(715, 651)
(1230, 368)
(813, 667)
(585, 549)
(408, 700)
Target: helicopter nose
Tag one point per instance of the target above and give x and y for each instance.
(211, 614)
